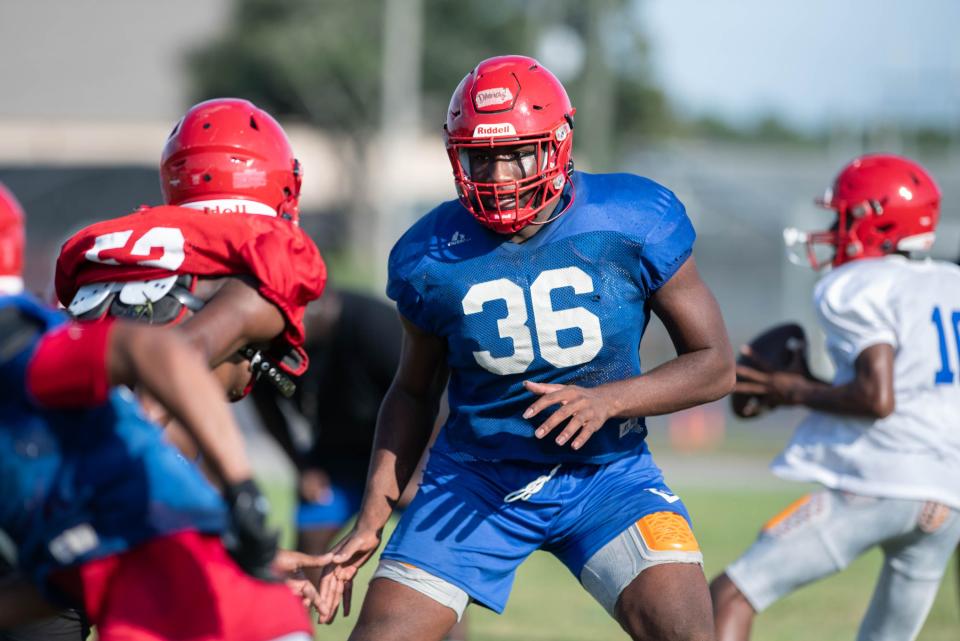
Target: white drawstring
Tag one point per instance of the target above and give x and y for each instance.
(531, 488)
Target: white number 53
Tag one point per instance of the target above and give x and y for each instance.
(157, 247)
(547, 321)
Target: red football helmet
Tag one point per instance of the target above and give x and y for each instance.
(510, 101)
(884, 204)
(12, 238)
(229, 149)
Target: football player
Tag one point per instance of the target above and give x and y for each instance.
(884, 437)
(105, 515)
(68, 624)
(353, 342)
(530, 294)
(225, 256)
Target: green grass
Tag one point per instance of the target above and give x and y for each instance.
(547, 603)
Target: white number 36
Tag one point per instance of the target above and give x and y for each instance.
(547, 321)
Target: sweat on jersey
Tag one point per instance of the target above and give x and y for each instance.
(568, 306)
(83, 474)
(914, 453)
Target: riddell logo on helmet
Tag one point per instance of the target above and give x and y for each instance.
(217, 209)
(495, 96)
(495, 129)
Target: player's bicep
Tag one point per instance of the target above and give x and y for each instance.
(874, 378)
(422, 371)
(690, 313)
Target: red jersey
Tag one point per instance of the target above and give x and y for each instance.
(156, 242)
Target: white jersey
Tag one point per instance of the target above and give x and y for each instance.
(914, 453)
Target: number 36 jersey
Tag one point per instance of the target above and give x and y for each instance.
(567, 306)
(914, 453)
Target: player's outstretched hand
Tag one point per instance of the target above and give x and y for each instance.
(306, 591)
(776, 388)
(586, 408)
(289, 563)
(336, 583)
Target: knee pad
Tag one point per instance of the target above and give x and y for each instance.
(661, 537)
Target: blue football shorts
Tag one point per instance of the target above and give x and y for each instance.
(472, 522)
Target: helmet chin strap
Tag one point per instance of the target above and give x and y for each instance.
(260, 366)
(566, 207)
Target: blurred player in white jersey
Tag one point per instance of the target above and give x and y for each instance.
(884, 438)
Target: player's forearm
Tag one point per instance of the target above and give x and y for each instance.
(177, 377)
(869, 394)
(690, 379)
(854, 398)
(403, 431)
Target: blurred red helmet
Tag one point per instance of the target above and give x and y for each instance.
(12, 238)
(884, 204)
(229, 149)
(509, 101)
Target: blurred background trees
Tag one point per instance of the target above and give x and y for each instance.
(323, 62)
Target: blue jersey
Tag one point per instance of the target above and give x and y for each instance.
(567, 306)
(77, 485)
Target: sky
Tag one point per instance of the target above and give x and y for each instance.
(812, 62)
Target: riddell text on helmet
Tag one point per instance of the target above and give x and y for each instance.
(496, 129)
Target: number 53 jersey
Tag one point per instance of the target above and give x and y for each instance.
(914, 453)
(155, 242)
(568, 306)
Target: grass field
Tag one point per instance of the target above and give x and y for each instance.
(547, 603)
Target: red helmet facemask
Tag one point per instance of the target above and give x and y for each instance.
(12, 240)
(505, 103)
(884, 204)
(229, 149)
